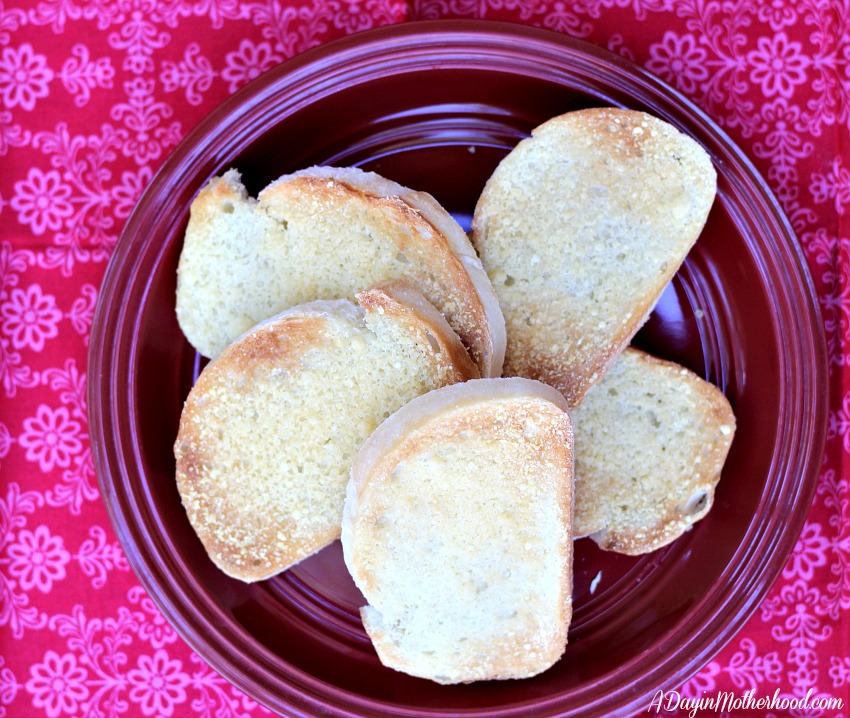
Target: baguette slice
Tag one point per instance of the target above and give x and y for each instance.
(270, 429)
(326, 233)
(456, 528)
(580, 227)
(650, 440)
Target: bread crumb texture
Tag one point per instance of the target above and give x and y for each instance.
(269, 430)
(307, 236)
(650, 443)
(579, 228)
(460, 542)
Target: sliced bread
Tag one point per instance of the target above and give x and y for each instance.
(650, 442)
(580, 227)
(270, 429)
(326, 233)
(456, 528)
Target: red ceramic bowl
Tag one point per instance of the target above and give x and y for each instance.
(435, 106)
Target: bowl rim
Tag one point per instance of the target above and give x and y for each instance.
(439, 43)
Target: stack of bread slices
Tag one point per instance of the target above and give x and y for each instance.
(457, 411)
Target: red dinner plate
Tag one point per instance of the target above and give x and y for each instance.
(435, 106)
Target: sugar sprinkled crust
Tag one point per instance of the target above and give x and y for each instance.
(326, 233)
(580, 227)
(270, 428)
(650, 442)
(456, 528)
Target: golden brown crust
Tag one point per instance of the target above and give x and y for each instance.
(214, 195)
(326, 233)
(400, 299)
(580, 228)
(270, 428)
(244, 545)
(518, 424)
(435, 266)
(653, 419)
(576, 377)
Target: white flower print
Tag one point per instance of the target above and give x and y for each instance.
(129, 190)
(703, 682)
(778, 13)
(139, 35)
(37, 559)
(154, 628)
(194, 73)
(58, 685)
(29, 317)
(747, 668)
(353, 16)
(12, 134)
(9, 686)
(144, 137)
(247, 63)
(97, 557)
(562, 18)
(778, 65)
(24, 77)
(158, 683)
(5, 440)
(834, 184)
(839, 671)
(679, 61)
(809, 553)
(42, 200)
(80, 74)
(51, 438)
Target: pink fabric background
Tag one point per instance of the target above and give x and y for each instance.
(95, 94)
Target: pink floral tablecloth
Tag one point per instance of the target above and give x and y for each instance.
(94, 94)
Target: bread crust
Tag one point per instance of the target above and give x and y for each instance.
(501, 411)
(644, 412)
(245, 545)
(486, 335)
(253, 509)
(580, 228)
(402, 301)
(410, 235)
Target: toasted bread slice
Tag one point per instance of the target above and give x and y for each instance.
(456, 528)
(580, 227)
(326, 233)
(270, 429)
(650, 442)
